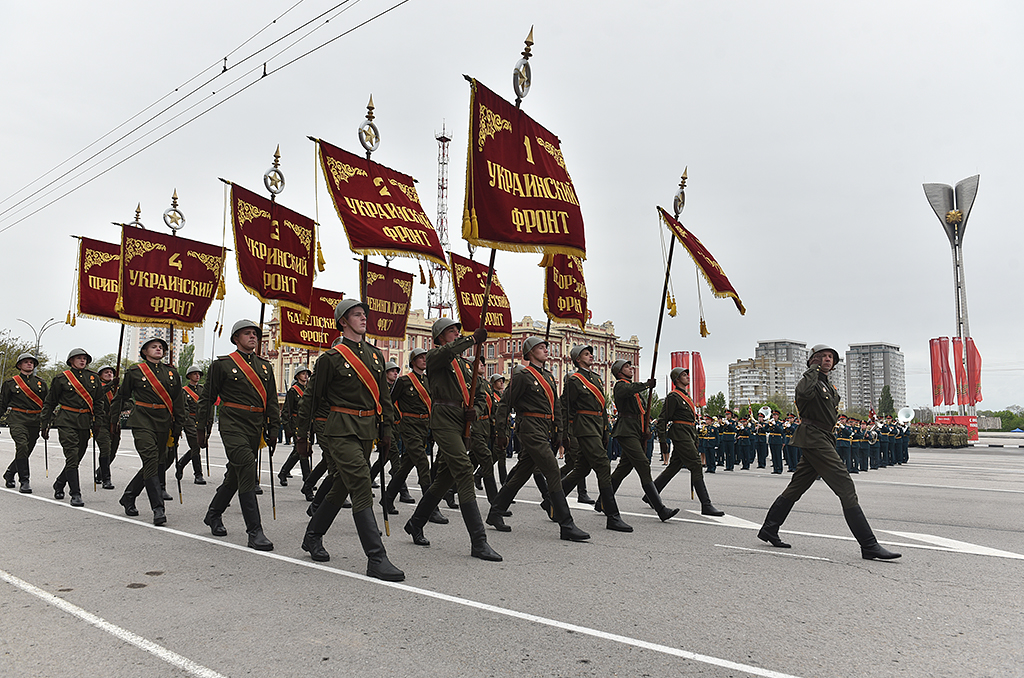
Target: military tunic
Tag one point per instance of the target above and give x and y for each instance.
(76, 417)
(151, 423)
(413, 415)
(586, 420)
(482, 430)
(24, 415)
(727, 442)
(775, 444)
(677, 422)
(192, 395)
(629, 431)
(109, 437)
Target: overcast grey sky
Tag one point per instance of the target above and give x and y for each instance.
(808, 129)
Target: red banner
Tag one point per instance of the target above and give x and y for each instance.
(99, 264)
(973, 372)
(959, 371)
(388, 293)
(698, 381)
(970, 422)
(948, 389)
(315, 329)
(713, 273)
(275, 249)
(938, 384)
(519, 195)
(565, 291)
(378, 207)
(469, 278)
(164, 279)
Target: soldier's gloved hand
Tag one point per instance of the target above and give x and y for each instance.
(45, 434)
(605, 439)
(652, 382)
(480, 335)
(384, 447)
(469, 415)
(302, 447)
(270, 434)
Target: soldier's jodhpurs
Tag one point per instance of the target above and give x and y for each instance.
(350, 458)
(822, 460)
(633, 457)
(241, 449)
(152, 448)
(74, 443)
(457, 468)
(682, 456)
(590, 455)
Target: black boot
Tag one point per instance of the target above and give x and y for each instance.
(104, 472)
(221, 500)
(611, 510)
(321, 521)
(404, 496)
(435, 516)
(179, 466)
(478, 480)
(769, 532)
(162, 475)
(615, 488)
(9, 476)
(706, 508)
(664, 513)
(156, 501)
(285, 473)
(414, 528)
(23, 475)
(74, 489)
(491, 488)
(58, 487)
(377, 563)
(197, 468)
(253, 525)
(321, 494)
(387, 497)
(499, 508)
(449, 498)
(582, 496)
(477, 534)
(870, 549)
(567, 528)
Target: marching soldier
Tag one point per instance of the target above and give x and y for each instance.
(192, 393)
(571, 446)
(24, 394)
(531, 394)
(586, 420)
(108, 437)
(350, 379)
(243, 382)
(83, 409)
(818, 402)
(482, 434)
(678, 422)
(289, 417)
(156, 423)
(499, 455)
(452, 407)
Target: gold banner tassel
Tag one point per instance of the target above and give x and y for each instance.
(319, 257)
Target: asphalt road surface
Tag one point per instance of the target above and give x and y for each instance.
(91, 592)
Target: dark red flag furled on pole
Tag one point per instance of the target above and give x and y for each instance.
(99, 265)
(275, 249)
(469, 278)
(960, 371)
(519, 195)
(565, 292)
(166, 279)
(314, 330)
(948, 389)
(713, 273)
(388, 293)
(973, 372)
(938, 382)
(698, 381)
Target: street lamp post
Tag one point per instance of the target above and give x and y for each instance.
(39, 335)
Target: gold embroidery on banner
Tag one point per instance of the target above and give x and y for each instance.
(555, 153)
(490, 122)
(372, 277)
(329, 300)
(211, 261)
(461, 271)
(97, 258)
(406, 286)
(342, 171)
(410, 191)
(136, 248)
(305, 235)
(247, 212)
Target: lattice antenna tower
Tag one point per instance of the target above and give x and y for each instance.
(440, 299)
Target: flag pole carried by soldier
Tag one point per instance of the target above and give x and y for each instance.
(83, 409)
(23, 394)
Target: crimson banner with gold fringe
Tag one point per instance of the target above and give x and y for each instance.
(469, 278)
(378, 207)
(164, 279)
(713, 273)
(519, 195)
(316, 329)
(565, 292)
(275, 249)
(99, 264)
(388, 294)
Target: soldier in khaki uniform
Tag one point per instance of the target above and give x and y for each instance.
(108, 437)
(289, 417)
(818, 403)
(412, 404)
(192, 393)
(83, 410)
(245, 384)
(531, 394)
(350, 379)
(24, 394)
(156, 423)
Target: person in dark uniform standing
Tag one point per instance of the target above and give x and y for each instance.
(678, 422)
(761, 440)
(818, 402)
(83, 409)
(844, 442)
(744, 447)
(350, 379)
(586, 421)
(532, 395)
(156, 423)
(289, 417)
(192, 392)
(24, 394)
(775, 442)
(727, 440)
(710, 443)
(500, 455)
(452, 407)
(244, 383)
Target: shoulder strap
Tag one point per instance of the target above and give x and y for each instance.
(158, 386)
(79, 389)
(251, 375)
(32, 395)
(363, 372)
(545, 385)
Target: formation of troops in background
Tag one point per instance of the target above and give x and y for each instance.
(353, 403)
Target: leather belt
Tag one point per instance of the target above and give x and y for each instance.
(321, 418)
(74, 409)
(355, 413)
(415, 416)
(153, 406)
(590, 412)
(238, 406)
(449, 403)
(680, 421)
(18, 409)
(538, 415)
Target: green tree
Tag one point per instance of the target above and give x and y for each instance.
(885, 404)
(656, 404)
(186, 358)
(716, 405)
(10, 348)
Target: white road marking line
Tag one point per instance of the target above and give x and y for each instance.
(774, 552)
(940, 487)
(583, 630)
(728, 521)
(957, 546)
(125, 635)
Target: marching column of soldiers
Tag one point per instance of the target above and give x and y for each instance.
(352, 402)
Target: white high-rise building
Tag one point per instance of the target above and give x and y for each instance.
(869, 367)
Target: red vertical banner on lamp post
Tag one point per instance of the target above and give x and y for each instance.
(948, 390)
(973, 372)
(960, 372)
(938, 385)
(698, 381)
(677, 359)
